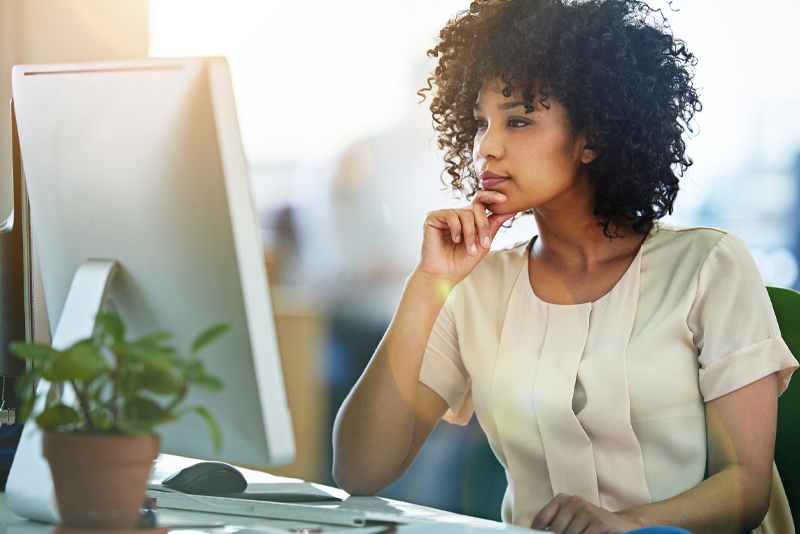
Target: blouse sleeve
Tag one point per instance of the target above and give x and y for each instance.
(734, 325)
(442, 368)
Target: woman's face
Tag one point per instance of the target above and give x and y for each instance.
(535, 159)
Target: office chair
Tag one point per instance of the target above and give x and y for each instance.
(786, 303)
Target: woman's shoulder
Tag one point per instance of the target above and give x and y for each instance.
(690, 246)
(666, 232)
(701, 239)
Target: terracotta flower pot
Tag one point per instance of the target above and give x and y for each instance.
(100, 479)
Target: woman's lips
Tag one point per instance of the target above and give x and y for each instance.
(489, 180)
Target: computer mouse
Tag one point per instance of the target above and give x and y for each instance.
(207, 478)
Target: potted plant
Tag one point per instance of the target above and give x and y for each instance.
(106, 394)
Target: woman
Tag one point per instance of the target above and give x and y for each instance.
(626, 372)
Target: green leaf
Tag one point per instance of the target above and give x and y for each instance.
(47, 372)
(211, 424)
(27, 408)
(144, 410)
(26, 392)
(134, 428)
(191, 369)
(144, 415)
(101, 421)
(57, 415)
(111, 325)
(37, 352)
(25, 382)
(153, 340)
(156, 380)
(209, 335)
(151, 356)
(211, 383)
(141, 428)
(81, 362)
(101, 387)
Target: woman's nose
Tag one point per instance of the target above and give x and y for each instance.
(489, 144)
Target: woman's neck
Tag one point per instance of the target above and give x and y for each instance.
(574, 240)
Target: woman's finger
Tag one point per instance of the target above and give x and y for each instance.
(580, 524)
(455, 225)
(569, 510)
(547, 514)
(468, 230)
(482, 225)
(488, 197)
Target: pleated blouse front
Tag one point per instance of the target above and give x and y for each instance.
(605, 399)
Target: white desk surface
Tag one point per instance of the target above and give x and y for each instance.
(199, 522)
(410, 518)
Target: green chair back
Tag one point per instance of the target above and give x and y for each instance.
(786, 303)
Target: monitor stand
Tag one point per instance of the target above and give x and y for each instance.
(84, 301)
(29, 489)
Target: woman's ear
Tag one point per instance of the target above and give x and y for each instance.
(588, 155)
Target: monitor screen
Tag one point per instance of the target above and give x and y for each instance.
(140, 162)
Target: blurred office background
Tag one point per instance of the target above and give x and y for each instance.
(344, 167)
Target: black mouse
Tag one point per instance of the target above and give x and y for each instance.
(207, 478)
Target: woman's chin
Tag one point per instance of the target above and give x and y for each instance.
(501, 209)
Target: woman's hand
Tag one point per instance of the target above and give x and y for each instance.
(569, 514)
(456, 240)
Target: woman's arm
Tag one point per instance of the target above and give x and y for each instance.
(388, 415)
(735, 497)
(741, 448)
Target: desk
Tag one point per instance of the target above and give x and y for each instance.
(198, 522)
(381, 513)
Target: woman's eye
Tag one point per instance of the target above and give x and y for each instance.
(481, 123)
(517, 123)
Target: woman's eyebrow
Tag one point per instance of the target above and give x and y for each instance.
(503, 107)
(511, 105)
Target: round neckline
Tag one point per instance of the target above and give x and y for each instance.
(592, 303)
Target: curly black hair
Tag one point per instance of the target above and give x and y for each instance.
(615, 66)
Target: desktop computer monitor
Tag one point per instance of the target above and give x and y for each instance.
(140, 163)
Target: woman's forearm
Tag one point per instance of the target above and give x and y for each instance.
(741, 443)
(731, 501)
(375, 425)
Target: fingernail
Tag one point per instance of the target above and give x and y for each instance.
(473, 249)
(457, 239)
(486, 242)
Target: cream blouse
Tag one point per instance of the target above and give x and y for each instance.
(606, 399)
